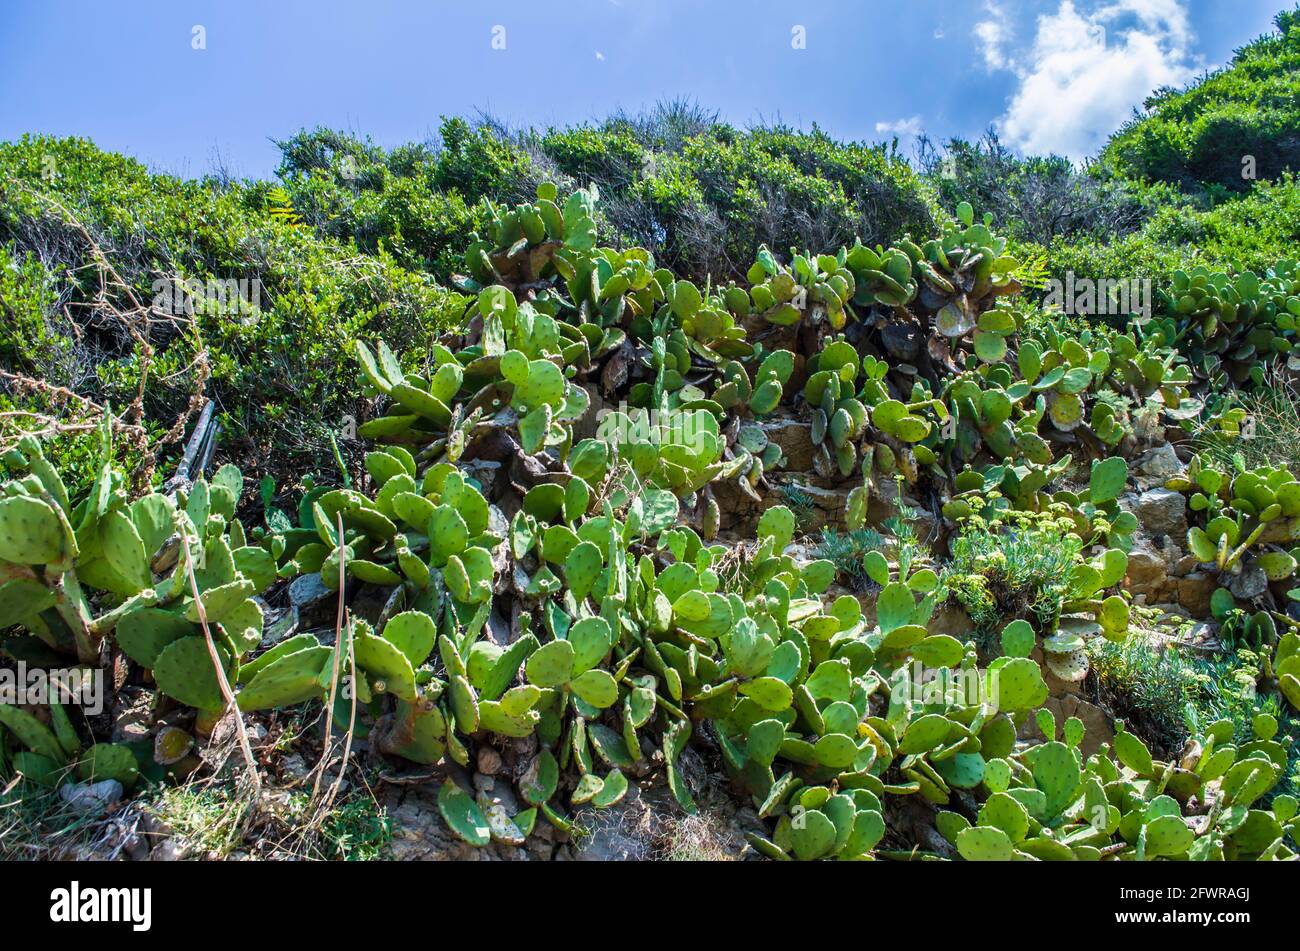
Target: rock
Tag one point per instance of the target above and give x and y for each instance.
(620, 833)
(1146, 573)
(136, 847)
(1194, 592)
(951, 619)
(133, 721)
(1096, 723)
(1280, 531)
(795, 439)
(372, 603)
(1203, 637)
(306, 590)
(171, 849)
(485, 472)
(1161, 463)
(293, 768)
(1251, 583)
(1163, 512)
(91, 798)
(498, 631)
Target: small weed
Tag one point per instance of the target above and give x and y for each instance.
(37, 824)
(1269, 434)
(209, 818)
(799, 501)
(1172, 694)
(1016, 569)
(703, 837)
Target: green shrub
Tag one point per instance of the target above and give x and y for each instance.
(1019, 569)
(278, 371)
(1202, 135)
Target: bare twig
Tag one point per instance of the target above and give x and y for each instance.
(352, 723)
(137, 318)
(326, 744)
(226, 692)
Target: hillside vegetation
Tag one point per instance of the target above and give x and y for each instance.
(593, 478)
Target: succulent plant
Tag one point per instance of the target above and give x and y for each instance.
(1234, 323)
(1250, 519)
(563, 582)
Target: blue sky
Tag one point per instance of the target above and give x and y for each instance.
(1053, 75)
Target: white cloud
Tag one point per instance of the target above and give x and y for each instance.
(600, 57)
(993, 35)
(1088, 68)
(900, 127)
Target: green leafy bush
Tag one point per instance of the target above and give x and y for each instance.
(1202, 135)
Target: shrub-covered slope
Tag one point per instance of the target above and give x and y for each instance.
(93, 247)
(1246, 115)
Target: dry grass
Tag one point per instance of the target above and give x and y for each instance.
(36, 824)
(703, 837)
(1271, 433)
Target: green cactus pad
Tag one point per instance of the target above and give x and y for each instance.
(109, 761)
(463, 815)
(961, 770)
(612, 790)
(413, 633)
(551, 665)
(220, 601)
(596, 687)
(1017, 685)
(124, 550)
(39, 769)
(582, 566)
(143, 633)
(384, 661)
(1132, 752)
(985, 844)
(769, 693)
(464, 704)
(289, 680)
(1006, 813)
(23, 598)
(777, 523)
(591, 641)
(1018, 639)
(1107, 479)
(1168, 836)
(184, 672)
(417, 734)
(540, 779)
(812, 835)
(32, 733)
(30, 531)
(288, 646)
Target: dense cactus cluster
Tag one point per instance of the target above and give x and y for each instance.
(1234, 323)
(550, 516)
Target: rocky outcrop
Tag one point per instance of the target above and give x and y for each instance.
(1163, 512)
